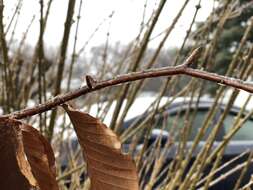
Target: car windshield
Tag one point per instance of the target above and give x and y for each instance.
(244, 134)
(177, 121)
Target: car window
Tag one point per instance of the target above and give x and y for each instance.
(244, 134)
(180, 122)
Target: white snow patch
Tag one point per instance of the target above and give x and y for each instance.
(140, 105)
(31, 103)
(241, 99)
(158, 132)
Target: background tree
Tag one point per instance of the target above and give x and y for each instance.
(232, 34)
(238, 15)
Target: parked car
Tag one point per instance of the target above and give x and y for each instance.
(241, 141)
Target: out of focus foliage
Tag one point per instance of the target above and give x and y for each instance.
(229, 37)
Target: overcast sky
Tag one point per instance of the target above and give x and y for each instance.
(124, 24)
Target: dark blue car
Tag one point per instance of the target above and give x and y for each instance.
(241, 142)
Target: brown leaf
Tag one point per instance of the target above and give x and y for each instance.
(11, 157)
(108, 168)
(26, 158)
(40, 156)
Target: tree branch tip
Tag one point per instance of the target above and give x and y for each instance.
(90, 81)
(193, 56)
(198, 6)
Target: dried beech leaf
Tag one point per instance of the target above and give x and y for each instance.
(27, 158)
(11, 157)
(108, 168)
(40, 156)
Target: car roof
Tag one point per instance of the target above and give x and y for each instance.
(183, 103)
(200, 104)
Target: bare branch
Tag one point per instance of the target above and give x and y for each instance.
(126, 78)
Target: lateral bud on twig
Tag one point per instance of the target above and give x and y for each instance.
(193, 56)
(90, 81)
